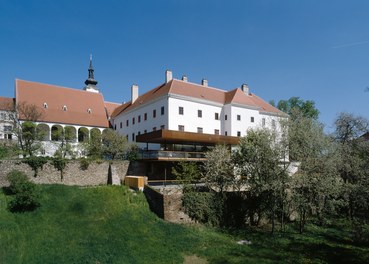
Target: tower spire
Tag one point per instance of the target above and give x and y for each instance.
(91, 82)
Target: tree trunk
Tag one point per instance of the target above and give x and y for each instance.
(282, 217)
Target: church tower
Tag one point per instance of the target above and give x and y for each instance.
(91, 82)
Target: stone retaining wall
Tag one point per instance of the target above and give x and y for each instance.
(167, 203)
(97, 173)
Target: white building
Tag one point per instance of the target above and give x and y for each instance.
(178, 105)
(6, 112)
(179, 120)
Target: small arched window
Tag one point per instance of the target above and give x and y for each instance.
(89, 110)
(45, 105)
(65, 108)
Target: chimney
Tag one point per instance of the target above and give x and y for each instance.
(134, 93)
(204, 82)
(245, 88)
(168, 76)
(184, 78)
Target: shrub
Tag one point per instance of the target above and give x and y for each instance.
(205, 207)
(84, 163)
(36, 163)
(16, 180)
(8, 151)
(26, 194)
(60, 164)
(3, 152)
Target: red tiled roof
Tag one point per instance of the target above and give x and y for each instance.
(110, 107)
(6, 103)
(183, 88)
(78, 102)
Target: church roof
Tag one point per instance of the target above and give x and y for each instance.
(110, 107)
(6, 103)
(63, 105)
(197, 91)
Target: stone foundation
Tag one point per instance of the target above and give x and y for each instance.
(97, 173)
(166, 202)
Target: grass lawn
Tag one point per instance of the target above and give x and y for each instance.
(110, 224)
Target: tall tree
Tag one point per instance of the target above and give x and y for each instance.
(316, 186)
(353, 165)
(306, 108)
(94, 145)
(258, 162)
(114, 145)
(218, 169)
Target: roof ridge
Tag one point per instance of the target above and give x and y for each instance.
(112, 102)
(197, 84)
(57, 86)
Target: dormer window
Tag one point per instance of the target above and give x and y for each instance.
(89, 110)
(65, 108)
(45, 105)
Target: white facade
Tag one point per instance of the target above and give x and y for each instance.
(6, 124)
(143, 119)
(190, 114)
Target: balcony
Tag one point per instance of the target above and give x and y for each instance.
(171, 155)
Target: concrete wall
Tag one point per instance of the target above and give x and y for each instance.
(96, 174)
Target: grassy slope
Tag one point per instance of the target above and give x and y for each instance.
(111, 225)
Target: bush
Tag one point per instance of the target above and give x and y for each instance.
(26, 194)
(84, 163)
(36, 163)
(3, 152)
(8, 151)
(60, 164)
(16, 180)
(205, 207)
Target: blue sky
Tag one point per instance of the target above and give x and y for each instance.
(317, 50)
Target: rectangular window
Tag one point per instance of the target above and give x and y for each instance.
(216, 131)
(180, 128)
(133, 121)
(162, 127)
(199, 113)
(139, 119)
(199, 130)
(154, 113)
(263, 121)
(180, 110)
(226, 133)
(238, 117)
(225, 117)
(7, 128)
(121, 124)
(216, 116)
(273, 123)
(115, 127)
(162, 110)
(238, 133)
(252, 119)
(127, 122)
(145, 116)
(154, 129)
(133, 136)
